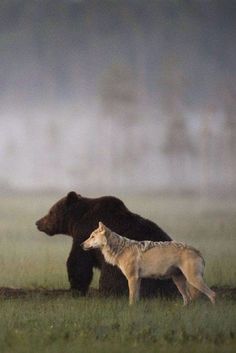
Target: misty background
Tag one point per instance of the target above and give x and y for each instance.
(128, 95)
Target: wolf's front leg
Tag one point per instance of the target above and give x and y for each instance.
(134, 287)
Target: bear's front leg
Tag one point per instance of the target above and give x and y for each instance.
(112, 281)
(79, 269)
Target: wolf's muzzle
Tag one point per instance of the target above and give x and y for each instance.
(84, 247)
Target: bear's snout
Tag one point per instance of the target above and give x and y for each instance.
(40, 224)
(45, 226)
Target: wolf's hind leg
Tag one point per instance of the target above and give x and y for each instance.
(181, 284)
(193, 271)
(197, 282)
(193, 292)
(194, 274)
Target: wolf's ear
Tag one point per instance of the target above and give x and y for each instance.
(71, 197)
(101, 226)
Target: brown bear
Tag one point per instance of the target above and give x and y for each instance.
(78, 216)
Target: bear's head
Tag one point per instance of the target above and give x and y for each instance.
(61, 215)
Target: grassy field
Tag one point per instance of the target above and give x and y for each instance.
(29, 259)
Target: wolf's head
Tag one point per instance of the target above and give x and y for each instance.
(97, 238)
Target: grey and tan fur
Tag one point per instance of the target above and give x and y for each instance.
(148, 259)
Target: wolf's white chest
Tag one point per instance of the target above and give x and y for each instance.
(109, 257)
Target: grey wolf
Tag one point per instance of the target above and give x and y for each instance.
(147, 259)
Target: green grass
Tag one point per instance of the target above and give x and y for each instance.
(87, 324)
(30, 259)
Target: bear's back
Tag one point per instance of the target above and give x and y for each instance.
(116, 216)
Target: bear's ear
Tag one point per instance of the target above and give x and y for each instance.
(71, 197)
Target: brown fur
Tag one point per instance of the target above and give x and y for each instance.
(78, 216)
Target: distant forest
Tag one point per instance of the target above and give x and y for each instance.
(126, 94)
(60, 50)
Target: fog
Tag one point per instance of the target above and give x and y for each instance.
(108, 96)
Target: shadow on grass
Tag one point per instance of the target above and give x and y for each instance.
(14, 293)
